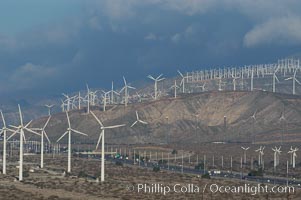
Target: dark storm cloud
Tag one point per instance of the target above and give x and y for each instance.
(109, 39)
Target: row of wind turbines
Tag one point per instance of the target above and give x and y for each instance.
(123, 96)
(277, 151)
(22, 128)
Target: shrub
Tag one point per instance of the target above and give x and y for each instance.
(156, 168)
(258, 172)
(82, 174)
(118, 163)
(206, 176)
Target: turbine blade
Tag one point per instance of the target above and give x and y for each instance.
(124, 81)
(143, 122)
(97, 119)
(76, 131)
(116, 126)
(47, 122)
(44, 132)
(28, 124)
(62, 136)
(297, 81)
(134, 123)
(99, 139)
(137, 116)
(149, 76)
(12, 135)
(68, 119)
(180, 74)
(3, 120)
(20, 113)
(23, 135)
(29, 130)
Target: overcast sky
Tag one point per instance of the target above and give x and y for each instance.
(55, 46)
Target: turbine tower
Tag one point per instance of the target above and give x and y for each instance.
(245, 149)
(158, 79)
(175, 87)
(20, 129)
(126, 93)
(4, 132)
(274, 79)
(293, 156)
(260, 155)
(182, 81)
(276, 156)
(69, 131)
(294, 81)
(102, 138)
(43, 133)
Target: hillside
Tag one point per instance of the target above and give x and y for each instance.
(190, 118)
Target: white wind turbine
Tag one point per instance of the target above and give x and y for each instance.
(105, 99)
(20, 129)
(245, 149)
(234, 82)
(69, 131)
(252, 80)
(293, 156)
(274, 79)
(175, 87)
(276, 156)
(88, 99)
(294, 81)
(43, 133)
(4, 132)
(253, 117)
(202, 86)
(112, 92)
(182, 81)
(260, 155)
(102, 138)
(138, 120)
(158, 79)
(49, 108)
(282, 119)
(126, 93)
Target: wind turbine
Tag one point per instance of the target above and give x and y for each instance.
(182, 81)
(105, 98)
(102, 138)
(20, 129)
(245, 149)
(252, 80)
(126, 94)
(138, 120)
(202, 86)
(88, 99)
(276, 156)
(293, 156)
(156, 83)
(43, 133)
(260, 155)
(49, 108)
(175, 87)
(282, 119)
(234, 82)
(294, 81)
(112, 92)
(4, 131)
(69, 131)
(274, 79)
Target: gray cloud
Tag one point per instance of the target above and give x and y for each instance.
(285, 31)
